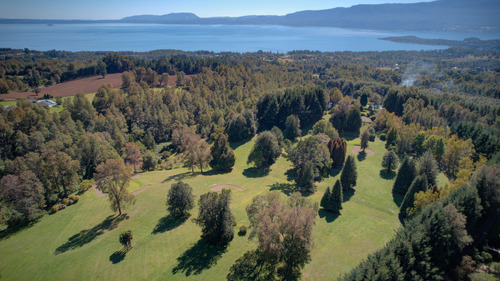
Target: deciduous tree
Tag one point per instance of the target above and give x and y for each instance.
(222, 155)
(113, 177)
(126, 239)
(215, 217)
(180, 199)
(133, 155)
(265, 150)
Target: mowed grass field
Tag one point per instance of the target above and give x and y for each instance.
(79, 243)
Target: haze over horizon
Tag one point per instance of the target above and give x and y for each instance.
(117, 9)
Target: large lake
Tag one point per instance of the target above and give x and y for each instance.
(217, 38)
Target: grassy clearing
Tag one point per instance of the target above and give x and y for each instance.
(81, 242)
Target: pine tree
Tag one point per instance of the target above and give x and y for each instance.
(418, 184)
(428, 166)
(390, 161)
(326, 199)
(336, 198)
(349, 174)
(406, 174)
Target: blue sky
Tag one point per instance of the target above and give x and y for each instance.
(115, 9)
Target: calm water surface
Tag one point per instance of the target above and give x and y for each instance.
(217, 38)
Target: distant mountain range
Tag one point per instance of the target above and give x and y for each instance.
(440, 15)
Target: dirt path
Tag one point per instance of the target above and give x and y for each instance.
(98, 192)
(141, 190)
(357, 150)
(220, 187)
(136, 176)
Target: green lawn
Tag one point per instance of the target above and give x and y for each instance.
(79, 243)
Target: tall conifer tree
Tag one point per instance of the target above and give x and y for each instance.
(418, 184)
(349, 174)
(336, 198)
(406, 174)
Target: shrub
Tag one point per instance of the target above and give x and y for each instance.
(65, 201)
(84, 186)
(243, 231)
(382, 137)
(55, 208)
(74, 198)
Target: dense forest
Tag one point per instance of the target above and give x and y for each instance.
(437, 111)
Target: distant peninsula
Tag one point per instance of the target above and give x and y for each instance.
(472, 43)
(441, 15)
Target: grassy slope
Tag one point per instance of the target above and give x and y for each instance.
(367, 222)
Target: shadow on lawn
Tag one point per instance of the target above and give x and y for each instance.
(168, 223)
(256, 172)
(334, 172)
(87, 235)
(252, 266)
(15, 229)
(387, 176)
(398, 198)
(118, 256)
(182, 176)
(347, 194)
(199, 257)
(361, 156)
(329, 216)
(235, 145)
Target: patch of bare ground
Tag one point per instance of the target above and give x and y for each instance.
(98, 192)
(85, 85)
(141, 190)
(220, 187)
(357, 150)
(136, 176)
(378, 217)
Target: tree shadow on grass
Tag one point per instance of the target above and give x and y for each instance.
(181, 176)
(361, 156)
(168, 223)
(333, 172)
(286, 188)
(387, 176)
(347, 194)
(235, 145)
(291, 174)
(349, 136)
(4, 234)
(118, 256)
(398, 198)
(87, 235)
(252, 266)
(199, 257)
(329, 216)
(256, 172)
